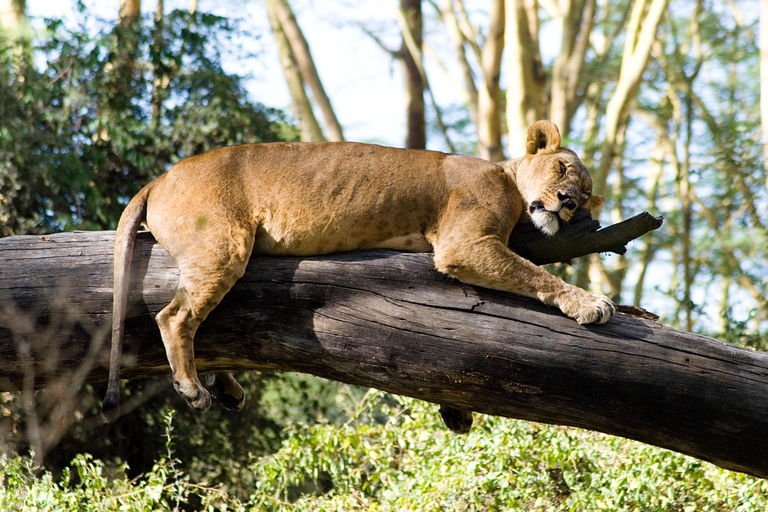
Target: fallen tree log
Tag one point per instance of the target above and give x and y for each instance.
(388, 320)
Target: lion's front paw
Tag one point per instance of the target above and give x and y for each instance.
(597, 310)
(587, 307)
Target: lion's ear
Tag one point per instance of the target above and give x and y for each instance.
(594, 203)
(542, 136)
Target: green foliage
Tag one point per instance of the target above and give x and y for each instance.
(87, 486)
(389, 453)
(87, 118)
(410, 462)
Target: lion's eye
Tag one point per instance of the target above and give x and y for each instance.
(563, 169)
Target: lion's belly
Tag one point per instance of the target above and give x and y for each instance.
(412, 242)
(320, 235)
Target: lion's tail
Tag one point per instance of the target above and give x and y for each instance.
(135, 213)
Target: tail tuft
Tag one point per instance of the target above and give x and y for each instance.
(110, 408)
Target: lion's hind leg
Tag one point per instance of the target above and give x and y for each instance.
(226, 390)
(458, 420)
(205, 277)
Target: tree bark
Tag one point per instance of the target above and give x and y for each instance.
(389, 320)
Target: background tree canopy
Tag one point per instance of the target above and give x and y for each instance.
(89, 117)
(661, 98)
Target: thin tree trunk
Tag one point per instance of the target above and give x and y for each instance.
(641, 33)
(649, 242)
(764, 83)
(306, 65)
(302, 107)
(414, 82)
(158, 80)
(578, 19)
(489, 92)
(526, 79)
(13, 14)
(14, 27)
(130, 12)
(460, 41)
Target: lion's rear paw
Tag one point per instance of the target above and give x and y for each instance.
(226, 390)
(196, 396)
(458, 420)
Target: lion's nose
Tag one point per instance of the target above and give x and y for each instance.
(567, 201)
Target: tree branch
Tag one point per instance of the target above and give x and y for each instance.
(389, 320)
(580, 237)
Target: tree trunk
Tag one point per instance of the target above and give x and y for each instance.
(764, 82)
(489, 92)
(460, 40)
(130, 12)
(302, 107)
(390, 321)
(641, 34)
(14, 28)
(159, 77)
(306, 66)
(413, 75)
(525, 71)
(578, 18)
(13, 14)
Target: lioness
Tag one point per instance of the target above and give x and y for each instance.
(212, 211)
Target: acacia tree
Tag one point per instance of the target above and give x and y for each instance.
(577, 19)
(409, 19)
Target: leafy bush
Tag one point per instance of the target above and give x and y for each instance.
(390, 453)
(86, 486)
(411, 462)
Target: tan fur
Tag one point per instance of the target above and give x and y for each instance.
(211, 212)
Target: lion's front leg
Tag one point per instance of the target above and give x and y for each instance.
(486, 261)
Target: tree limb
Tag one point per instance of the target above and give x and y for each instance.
(389, 320)
(580, 237)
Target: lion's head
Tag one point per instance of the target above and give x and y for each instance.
(551, 179)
